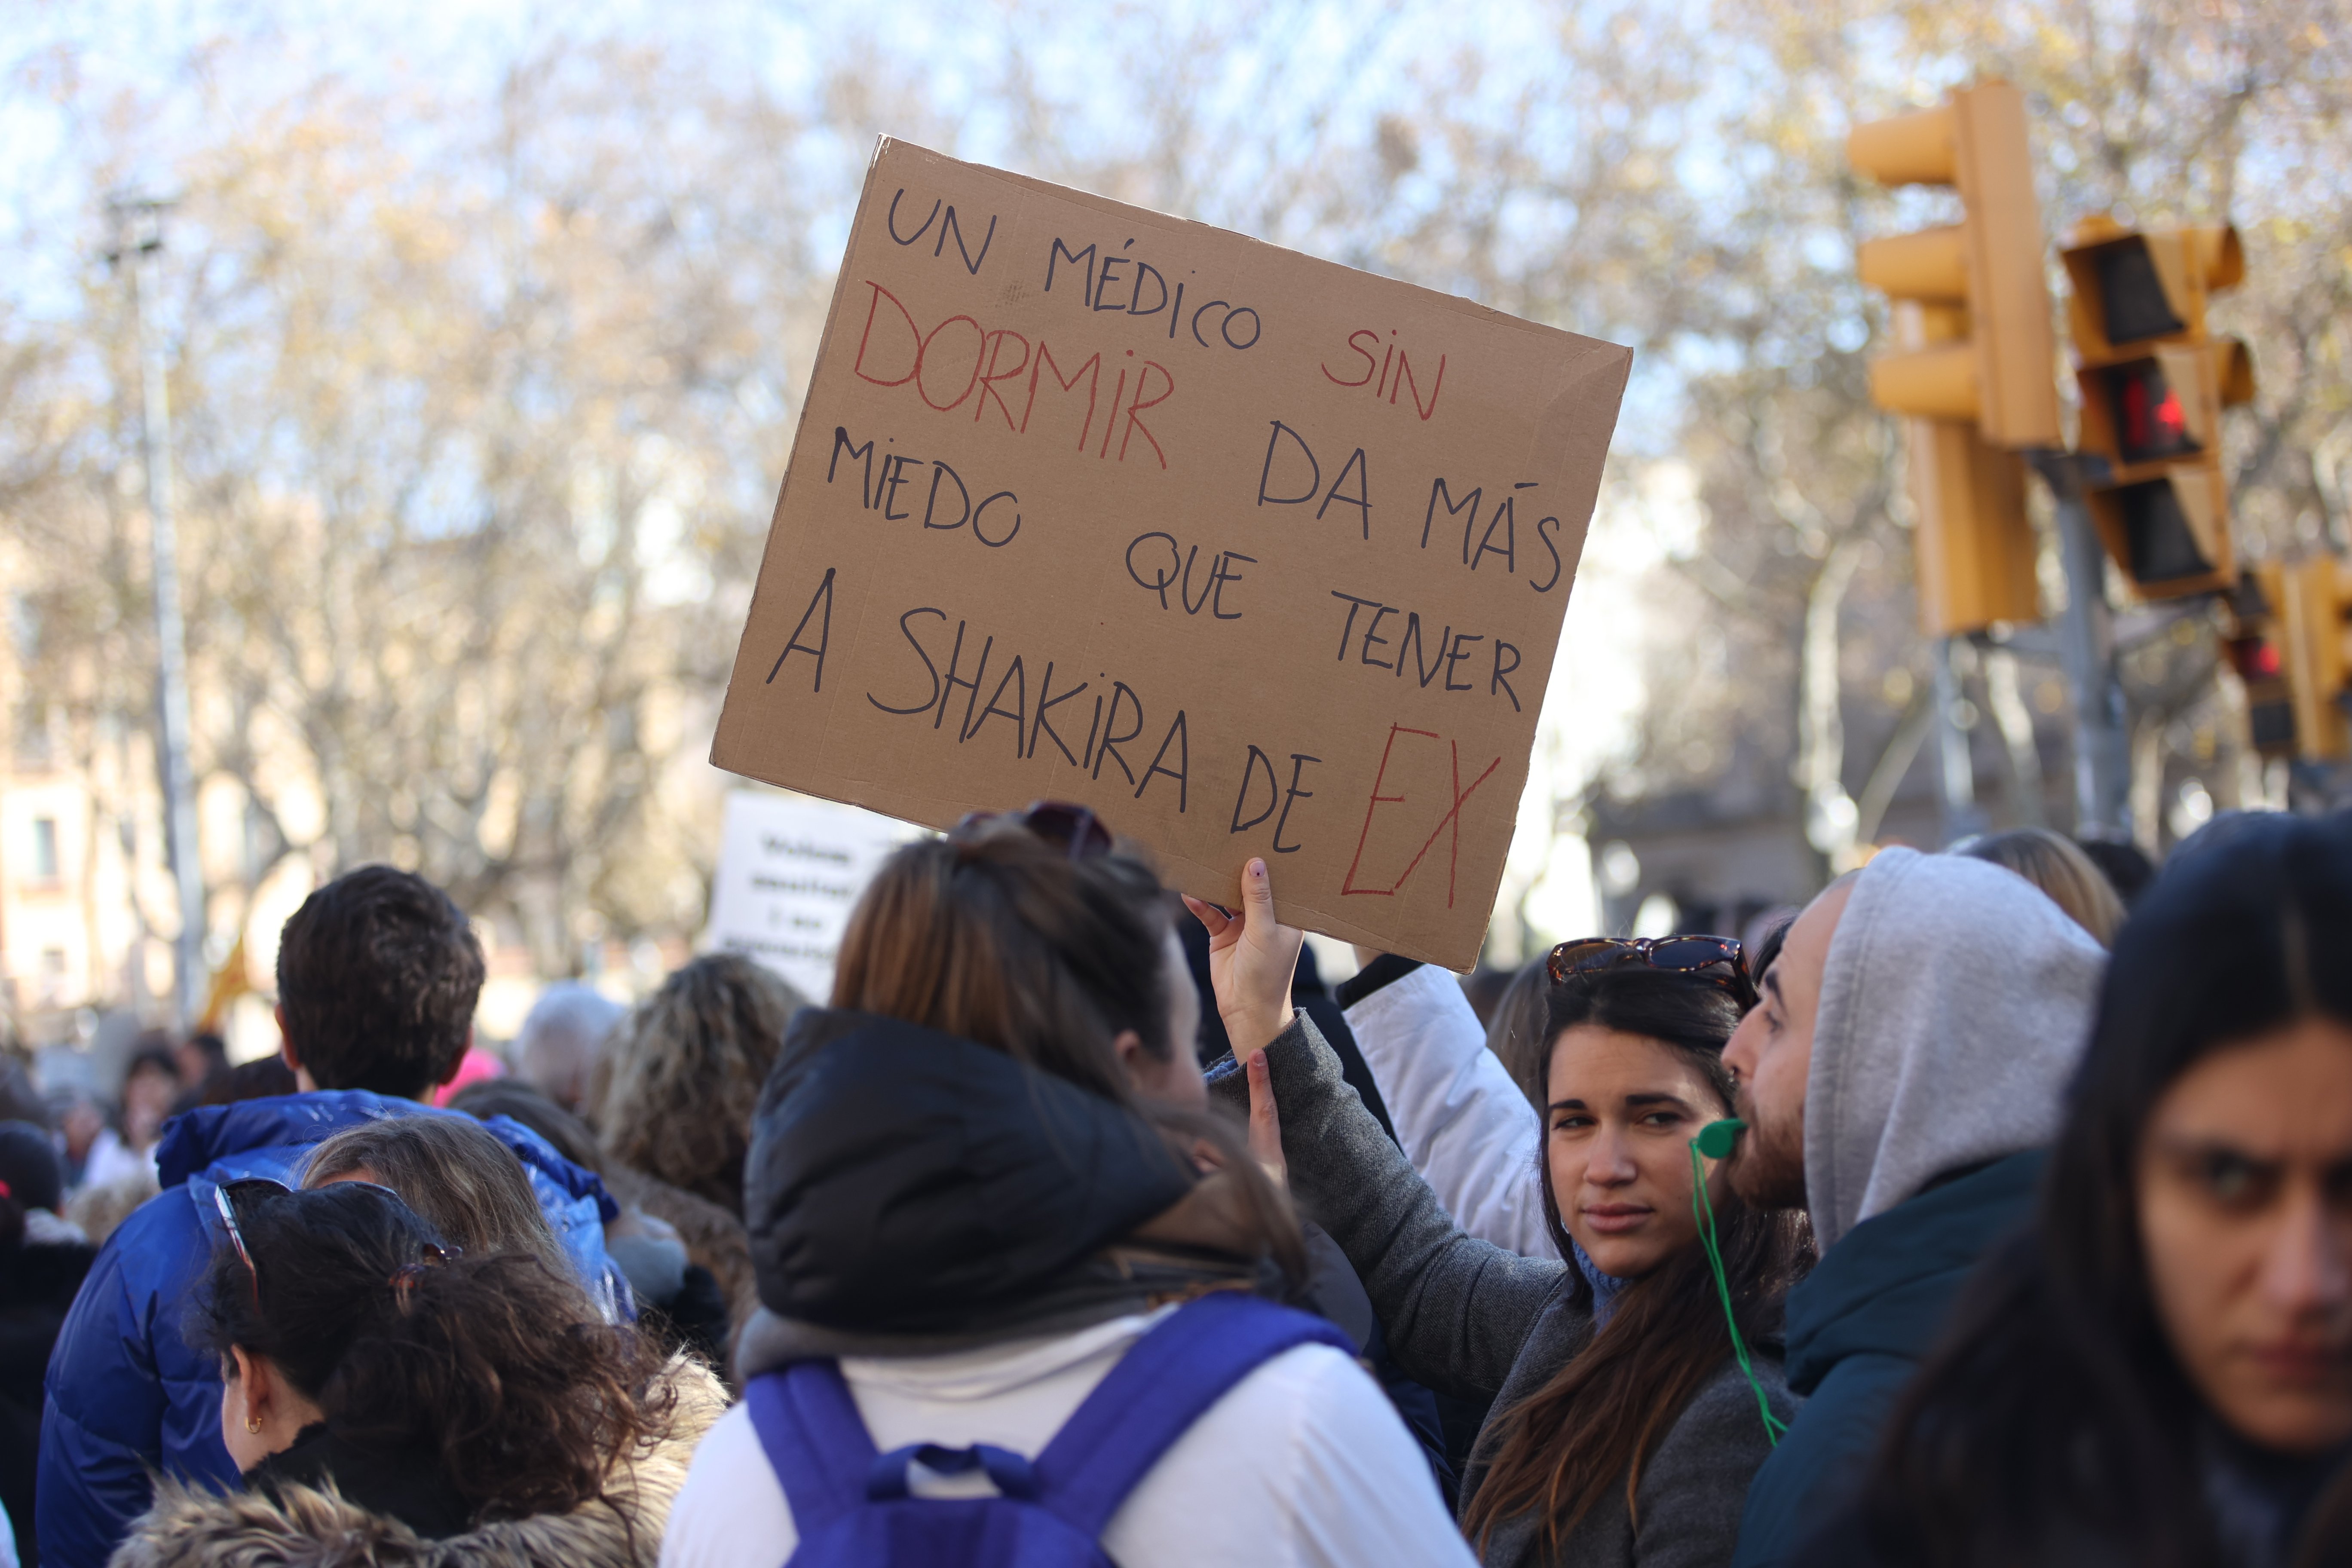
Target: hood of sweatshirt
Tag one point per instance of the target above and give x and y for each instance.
(1956, 1002)
(902, 1180)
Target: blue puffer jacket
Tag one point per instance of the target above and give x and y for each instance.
(126, 1396)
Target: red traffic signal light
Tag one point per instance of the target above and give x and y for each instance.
(2253, 650)
(2256, 658)
(2150, 427)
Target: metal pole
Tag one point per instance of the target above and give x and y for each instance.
(140, 222)
(2086, 643)
(1956, 777)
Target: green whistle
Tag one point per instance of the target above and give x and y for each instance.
(1717, 1138)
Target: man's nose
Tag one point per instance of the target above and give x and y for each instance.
(1739, 1051)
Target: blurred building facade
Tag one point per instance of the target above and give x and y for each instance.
(86, 897)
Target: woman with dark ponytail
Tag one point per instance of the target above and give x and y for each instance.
(390, 1399)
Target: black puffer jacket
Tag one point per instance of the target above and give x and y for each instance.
(906, 1190)
(37, 1282)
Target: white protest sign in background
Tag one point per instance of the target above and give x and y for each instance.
(789, 871)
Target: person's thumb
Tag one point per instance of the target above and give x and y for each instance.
(1257, 898)
(1265, 1120)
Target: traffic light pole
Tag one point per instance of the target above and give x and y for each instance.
(1956, 774)
(139, 241)
(2086, 643)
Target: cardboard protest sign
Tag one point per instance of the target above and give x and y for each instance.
(1253, 553)
(787, 872)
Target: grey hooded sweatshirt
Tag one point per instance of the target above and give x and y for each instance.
(1956, 1001)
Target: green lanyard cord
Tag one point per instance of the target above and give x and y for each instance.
(1703, 1211)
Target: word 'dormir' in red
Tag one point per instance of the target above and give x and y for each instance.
(930, 360)
(1451, 820)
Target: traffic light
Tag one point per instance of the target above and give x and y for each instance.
(1981, 282)
(2314, 614)
(2154, 386)
(1973, 370)
(1973, 545)
(2253, 650)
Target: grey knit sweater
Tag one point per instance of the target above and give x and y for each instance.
(1468, 1318)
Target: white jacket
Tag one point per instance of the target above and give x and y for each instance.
(1463, 1122)
(1304, 1464)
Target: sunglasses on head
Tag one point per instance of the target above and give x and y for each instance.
(248, 1192)
(1718, 960)
(1073, 830)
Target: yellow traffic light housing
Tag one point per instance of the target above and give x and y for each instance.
(1972, 373)
(1973, 551)
(2314, 614)
(1996, 371)
(2153, 386)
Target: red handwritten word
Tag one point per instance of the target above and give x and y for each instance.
(932, 358)
(1453, 819)
(1386, 386)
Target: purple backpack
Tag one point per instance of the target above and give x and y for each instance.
(851, 1506)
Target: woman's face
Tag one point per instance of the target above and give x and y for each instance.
(1620, 1113)
(2244, 1185)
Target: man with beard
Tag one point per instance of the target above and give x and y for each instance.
(1899, 1078)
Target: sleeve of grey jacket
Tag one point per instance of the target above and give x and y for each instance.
(1455, 1308)
(1694, 1488)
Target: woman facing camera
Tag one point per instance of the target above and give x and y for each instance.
(391, 1400)
(1627, 1416)
(2159, 1372)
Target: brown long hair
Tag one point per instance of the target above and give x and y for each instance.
(998, 937)
(1560, 1450)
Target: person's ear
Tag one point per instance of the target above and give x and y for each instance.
(251, 1374)
(1128, 1047)
(458, 1064)
(286, 1052)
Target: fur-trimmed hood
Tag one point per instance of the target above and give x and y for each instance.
(192, 1527)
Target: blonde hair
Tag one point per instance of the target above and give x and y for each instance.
(2054, 863)
(685, 1070)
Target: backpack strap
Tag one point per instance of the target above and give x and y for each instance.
(1166, 1381)
(814, 1439)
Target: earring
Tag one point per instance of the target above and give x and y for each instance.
(253, 1424)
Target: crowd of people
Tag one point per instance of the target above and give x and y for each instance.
(1996, 1207)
